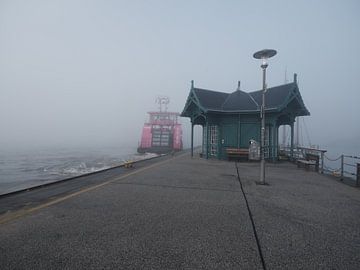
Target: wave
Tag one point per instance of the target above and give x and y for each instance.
(19, 168)
(76, 167)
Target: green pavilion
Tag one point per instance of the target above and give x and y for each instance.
(231, 120)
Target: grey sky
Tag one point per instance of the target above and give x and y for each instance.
(88, 71)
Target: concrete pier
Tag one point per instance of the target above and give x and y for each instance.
(184, 213)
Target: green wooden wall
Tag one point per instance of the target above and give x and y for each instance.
(235, 131)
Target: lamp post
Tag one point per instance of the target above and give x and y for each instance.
(263, 55)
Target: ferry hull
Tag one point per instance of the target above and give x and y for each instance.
(162, 133)
(157, 150)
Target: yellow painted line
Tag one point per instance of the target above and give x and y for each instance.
(22, 212)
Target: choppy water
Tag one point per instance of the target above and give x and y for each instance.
(20, 169)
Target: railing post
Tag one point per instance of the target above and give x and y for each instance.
(342, 167)
(358, 175)
(322, 162)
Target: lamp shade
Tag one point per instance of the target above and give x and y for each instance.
(264, 54)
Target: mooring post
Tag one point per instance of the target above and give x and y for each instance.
(358, 175)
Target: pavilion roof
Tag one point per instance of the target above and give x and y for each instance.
(277, 99)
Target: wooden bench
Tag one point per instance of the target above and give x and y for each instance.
(237, 153)
(311, 160)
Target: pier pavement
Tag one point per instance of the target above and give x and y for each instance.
(184, 213)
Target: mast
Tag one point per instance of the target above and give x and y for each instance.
(163, 102)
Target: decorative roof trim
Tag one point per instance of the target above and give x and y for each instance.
(252, 98)
(214, 100)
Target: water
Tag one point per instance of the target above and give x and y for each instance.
(20, 169)
(332, 160)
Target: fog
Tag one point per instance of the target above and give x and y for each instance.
(86, 72)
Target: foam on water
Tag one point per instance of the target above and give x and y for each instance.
(19, 170)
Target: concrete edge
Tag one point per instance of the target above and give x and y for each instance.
(75, 177)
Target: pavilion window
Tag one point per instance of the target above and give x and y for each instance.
(204, 141)
(213, 140)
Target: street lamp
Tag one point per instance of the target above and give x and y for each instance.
(263, 55)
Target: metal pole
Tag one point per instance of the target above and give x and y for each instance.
(263, 55)
(342, 167)
(292, 142)
(262, 145)
(192, 140)
(358, 175)
(297, 141)
(322, 162)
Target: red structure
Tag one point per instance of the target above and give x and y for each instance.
(162, 133)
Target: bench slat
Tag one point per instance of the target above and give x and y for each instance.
(310, 162)
(237, 152)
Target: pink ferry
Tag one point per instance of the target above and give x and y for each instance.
(162, 133)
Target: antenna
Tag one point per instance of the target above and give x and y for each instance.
(238, 88)
(163, 101)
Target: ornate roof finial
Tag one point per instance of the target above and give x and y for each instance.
(238, 87)
(295, 78)
(192, 84)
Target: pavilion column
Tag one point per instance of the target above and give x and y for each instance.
(272, 142)
(207, 141)
(277, 143)
(192, 139)
(292, 142)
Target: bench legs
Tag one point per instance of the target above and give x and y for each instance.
(307, 166)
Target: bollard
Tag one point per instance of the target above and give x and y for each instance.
(358, 175)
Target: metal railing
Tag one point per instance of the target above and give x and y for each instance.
(343, 166)
(346, 166)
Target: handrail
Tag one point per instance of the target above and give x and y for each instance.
(347, 167)
(355, 157)
(311, 149)
(336, 159)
